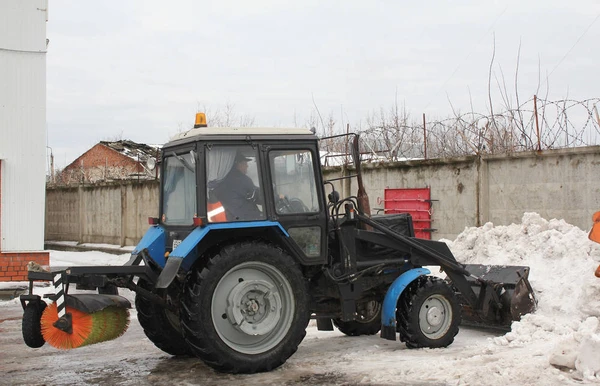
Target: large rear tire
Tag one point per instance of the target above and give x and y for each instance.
(368, 320)
(161, 326)
(246, 310)
(31, 326)
(428, 313)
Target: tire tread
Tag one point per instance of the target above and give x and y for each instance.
(209, 348)
(407, 314)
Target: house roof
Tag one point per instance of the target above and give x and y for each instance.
(136, 151)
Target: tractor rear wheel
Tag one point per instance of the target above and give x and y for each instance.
(31, 326)
(246, 310)
(368, 320)
(160, 325)
(428, 313)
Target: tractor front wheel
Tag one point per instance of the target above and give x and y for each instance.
(428, 313)
(246, 310)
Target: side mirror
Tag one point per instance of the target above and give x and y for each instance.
(334, 197)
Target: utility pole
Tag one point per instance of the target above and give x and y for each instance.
(51, 165)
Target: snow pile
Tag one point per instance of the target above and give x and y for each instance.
(562, 261)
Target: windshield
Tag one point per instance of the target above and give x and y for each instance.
(179, 190)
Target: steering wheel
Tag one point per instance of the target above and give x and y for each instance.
(290, 205)
(283, 205)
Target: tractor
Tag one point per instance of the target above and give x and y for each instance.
(251, 243)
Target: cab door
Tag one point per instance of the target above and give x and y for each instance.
(297, 199)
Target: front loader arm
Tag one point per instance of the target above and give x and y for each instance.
(492, 295)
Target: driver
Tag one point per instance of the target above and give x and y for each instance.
(238, 194)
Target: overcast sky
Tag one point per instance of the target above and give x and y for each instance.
(139, 70)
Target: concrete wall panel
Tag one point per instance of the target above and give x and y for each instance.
(62, 214)
(140, 202)
(101, 214)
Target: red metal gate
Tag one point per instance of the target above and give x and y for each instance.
(417, 202)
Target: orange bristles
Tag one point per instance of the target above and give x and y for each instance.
(82, 327)
(101, 326)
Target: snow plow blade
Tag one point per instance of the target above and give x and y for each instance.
(504, 295)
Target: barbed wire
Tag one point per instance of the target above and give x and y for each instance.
(536, 124)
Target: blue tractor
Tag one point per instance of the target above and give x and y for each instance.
(251, 243)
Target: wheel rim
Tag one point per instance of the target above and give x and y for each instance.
(252, 307)
(435, 316)
(368, 311)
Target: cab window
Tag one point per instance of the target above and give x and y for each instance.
(179, 189)
(233, 184)
(294, 185)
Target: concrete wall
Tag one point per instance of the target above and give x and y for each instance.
(101, 214)
(62, 214)
(469, 191)
(562, 184)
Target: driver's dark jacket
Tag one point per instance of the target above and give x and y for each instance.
(239, 197)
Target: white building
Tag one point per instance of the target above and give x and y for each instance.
(22, 135)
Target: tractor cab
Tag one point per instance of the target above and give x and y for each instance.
(245, 182)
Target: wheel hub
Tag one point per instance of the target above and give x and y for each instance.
(435, 316)
(368, 311)
(254, 307)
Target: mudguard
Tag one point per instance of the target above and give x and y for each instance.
(183, 256)
(388, 311)
(154, 241)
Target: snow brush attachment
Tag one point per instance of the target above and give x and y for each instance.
(84, 320)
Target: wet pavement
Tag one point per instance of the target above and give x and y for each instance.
(129, 360)
(133, 360)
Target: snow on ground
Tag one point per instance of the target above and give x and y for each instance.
(90, 245)
(558, 344)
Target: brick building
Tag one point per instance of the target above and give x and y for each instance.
(110, 161)
(22, 136)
